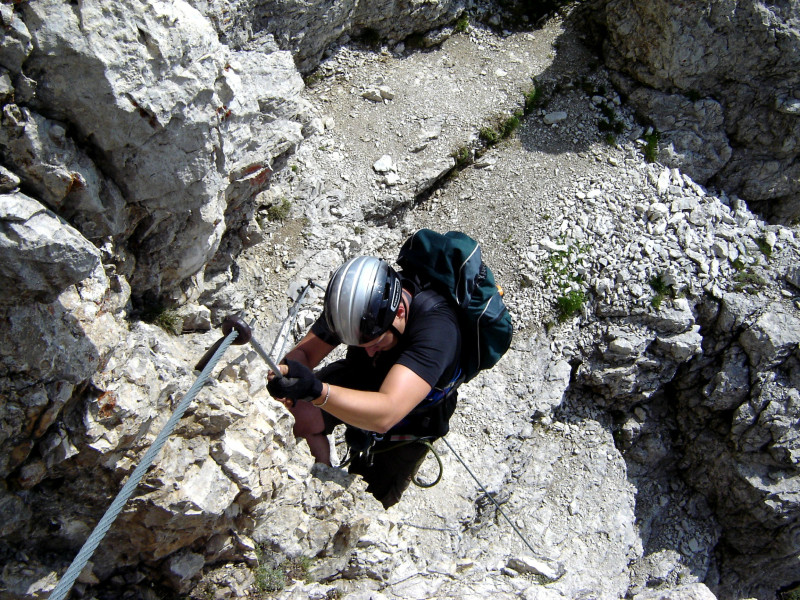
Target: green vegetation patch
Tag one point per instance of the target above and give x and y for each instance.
(765, 248)
(463, 157)
(563, 272)
(533, 98)
(280, 211)
(570, 304)
(748, 281)
(275, 571)
(562, 267)
(462, 24)
(489, 135)
(651, 146)
(661, 289)
(166, 318)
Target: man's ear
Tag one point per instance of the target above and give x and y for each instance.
(401, 311)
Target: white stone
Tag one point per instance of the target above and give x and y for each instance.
(554, 117)
(384, 164)
(535, 566)
(372, 94)
(657, 210)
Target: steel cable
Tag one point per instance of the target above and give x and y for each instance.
(514, 527)
(82, 558)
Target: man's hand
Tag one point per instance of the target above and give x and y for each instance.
(299, 383)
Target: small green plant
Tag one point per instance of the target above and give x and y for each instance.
(503, 128)
(462, 157)
(662, 290)
(489, 135)
(611, 126)
(273, 571)
(656, 301)
(269, 579)
(510, 125)
(295, 168)
(569, 304)
(166, 318)
(564, 270)
(738, 264)
(462, 24)
(608, 111)
(562, 267)
(748, 281)
(765, 248)
(533, 99)
(651, 146)
(611, 139)
(659, 285)
(279, 212)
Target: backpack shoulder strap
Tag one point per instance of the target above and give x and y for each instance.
(426, 300)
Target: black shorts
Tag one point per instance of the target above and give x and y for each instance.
(390, 466)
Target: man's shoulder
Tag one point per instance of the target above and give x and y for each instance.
(429, 302)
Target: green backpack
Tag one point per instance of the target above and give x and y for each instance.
(451, 264)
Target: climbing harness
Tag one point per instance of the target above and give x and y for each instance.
(422, 484)
(368, 450)
(82, 558)
(514, 527)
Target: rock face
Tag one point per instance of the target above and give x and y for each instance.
(646, 444)
(721, 86)
(741, 435)
(182, 131)
(307, 29)
(41, 254)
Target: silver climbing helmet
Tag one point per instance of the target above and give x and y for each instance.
(362, 299)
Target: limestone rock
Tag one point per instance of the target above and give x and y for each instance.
(307, 33)
(691, 591)
(16, 44)
(692, 134)
(772, 338)
(41, 254)
(177, 97)
(705, 51)
(62, 176)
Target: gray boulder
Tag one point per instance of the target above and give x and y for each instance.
(746, 56)
(40, 254)
(61, 175)
(746, 463)
(188, 130)
(693, 136)
(307, 29)
(15, 45)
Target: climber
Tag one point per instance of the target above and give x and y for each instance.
(397, 380)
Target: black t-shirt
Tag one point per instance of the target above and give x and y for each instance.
(430, 344)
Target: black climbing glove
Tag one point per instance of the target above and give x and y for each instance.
(299, 383)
